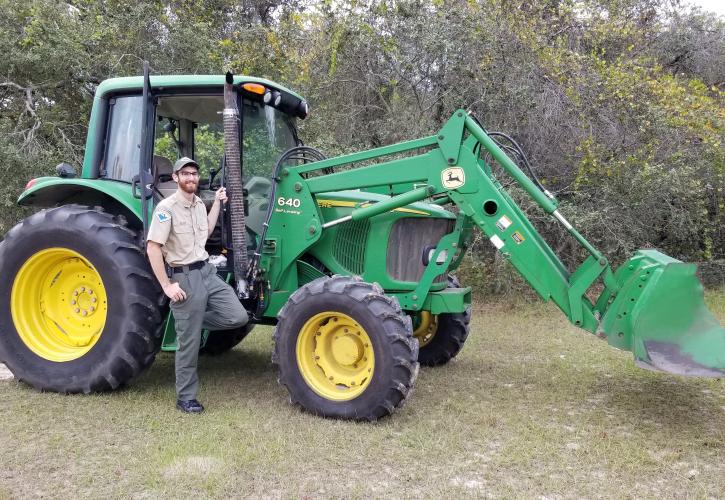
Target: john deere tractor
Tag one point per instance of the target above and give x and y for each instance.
(351, 258)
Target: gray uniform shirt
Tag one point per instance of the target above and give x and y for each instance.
(181, 228)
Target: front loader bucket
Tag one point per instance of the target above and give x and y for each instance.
(660, 315)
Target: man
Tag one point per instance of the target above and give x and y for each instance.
(199, 298)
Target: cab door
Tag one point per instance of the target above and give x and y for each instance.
(145, 177)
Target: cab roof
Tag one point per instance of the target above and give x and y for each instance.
(123, 84)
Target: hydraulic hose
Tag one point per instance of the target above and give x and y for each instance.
(517, 150)
(520, 152)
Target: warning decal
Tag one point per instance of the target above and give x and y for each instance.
(503, 223)
(518, 237)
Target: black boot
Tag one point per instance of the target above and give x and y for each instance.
(190, 406)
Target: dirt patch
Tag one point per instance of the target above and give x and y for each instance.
(5, 374)
(192, 466)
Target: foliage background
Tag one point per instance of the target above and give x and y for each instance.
(618, 103)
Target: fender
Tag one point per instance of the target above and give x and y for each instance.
(114, 196)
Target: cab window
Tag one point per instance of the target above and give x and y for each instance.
(267, 134)
(123, 139)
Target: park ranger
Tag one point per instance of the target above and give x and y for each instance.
(199, 298)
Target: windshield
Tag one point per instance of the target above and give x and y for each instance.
(267, 134)
(191, 125)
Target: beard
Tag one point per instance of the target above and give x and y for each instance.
(188, 186)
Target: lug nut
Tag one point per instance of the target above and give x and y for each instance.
(85, 313)
(83, 289)
(77, 310)
(73, 302)
(94, 299)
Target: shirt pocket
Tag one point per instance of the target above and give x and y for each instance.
(185, 234)
(182, 226)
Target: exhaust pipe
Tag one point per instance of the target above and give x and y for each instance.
(232, 152)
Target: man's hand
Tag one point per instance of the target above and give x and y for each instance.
(221, 195)
(174, 292)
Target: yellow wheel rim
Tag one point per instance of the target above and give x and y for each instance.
(335, 356)
(58, 304)
(427, 328)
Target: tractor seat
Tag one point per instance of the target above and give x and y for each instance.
(162, 176)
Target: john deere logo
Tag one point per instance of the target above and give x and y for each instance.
(453, 177)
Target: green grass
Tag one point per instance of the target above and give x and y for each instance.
(531, 407)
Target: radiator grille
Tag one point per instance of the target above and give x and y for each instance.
(349, 248)
(408, 239)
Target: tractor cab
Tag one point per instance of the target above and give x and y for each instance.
(188, 123)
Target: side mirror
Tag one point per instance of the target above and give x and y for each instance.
(65, 170)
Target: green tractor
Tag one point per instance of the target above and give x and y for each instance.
(352, 258)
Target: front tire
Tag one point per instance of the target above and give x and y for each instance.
(441, 336)
(80, 307)
(345, 350)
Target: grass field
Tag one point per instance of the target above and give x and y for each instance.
(531, 408)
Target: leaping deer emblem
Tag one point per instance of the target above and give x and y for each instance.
(452, 178)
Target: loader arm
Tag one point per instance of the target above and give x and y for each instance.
(450, 170)
(478, 196)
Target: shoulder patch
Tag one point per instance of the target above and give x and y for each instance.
(163, 216)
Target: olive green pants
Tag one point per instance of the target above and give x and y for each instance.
(210, 304)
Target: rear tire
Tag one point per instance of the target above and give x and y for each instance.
(345, 350)
(80, 309)
(221, 341)
(448, 332)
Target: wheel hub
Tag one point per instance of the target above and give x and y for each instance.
(83, 302)
(347, 350)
